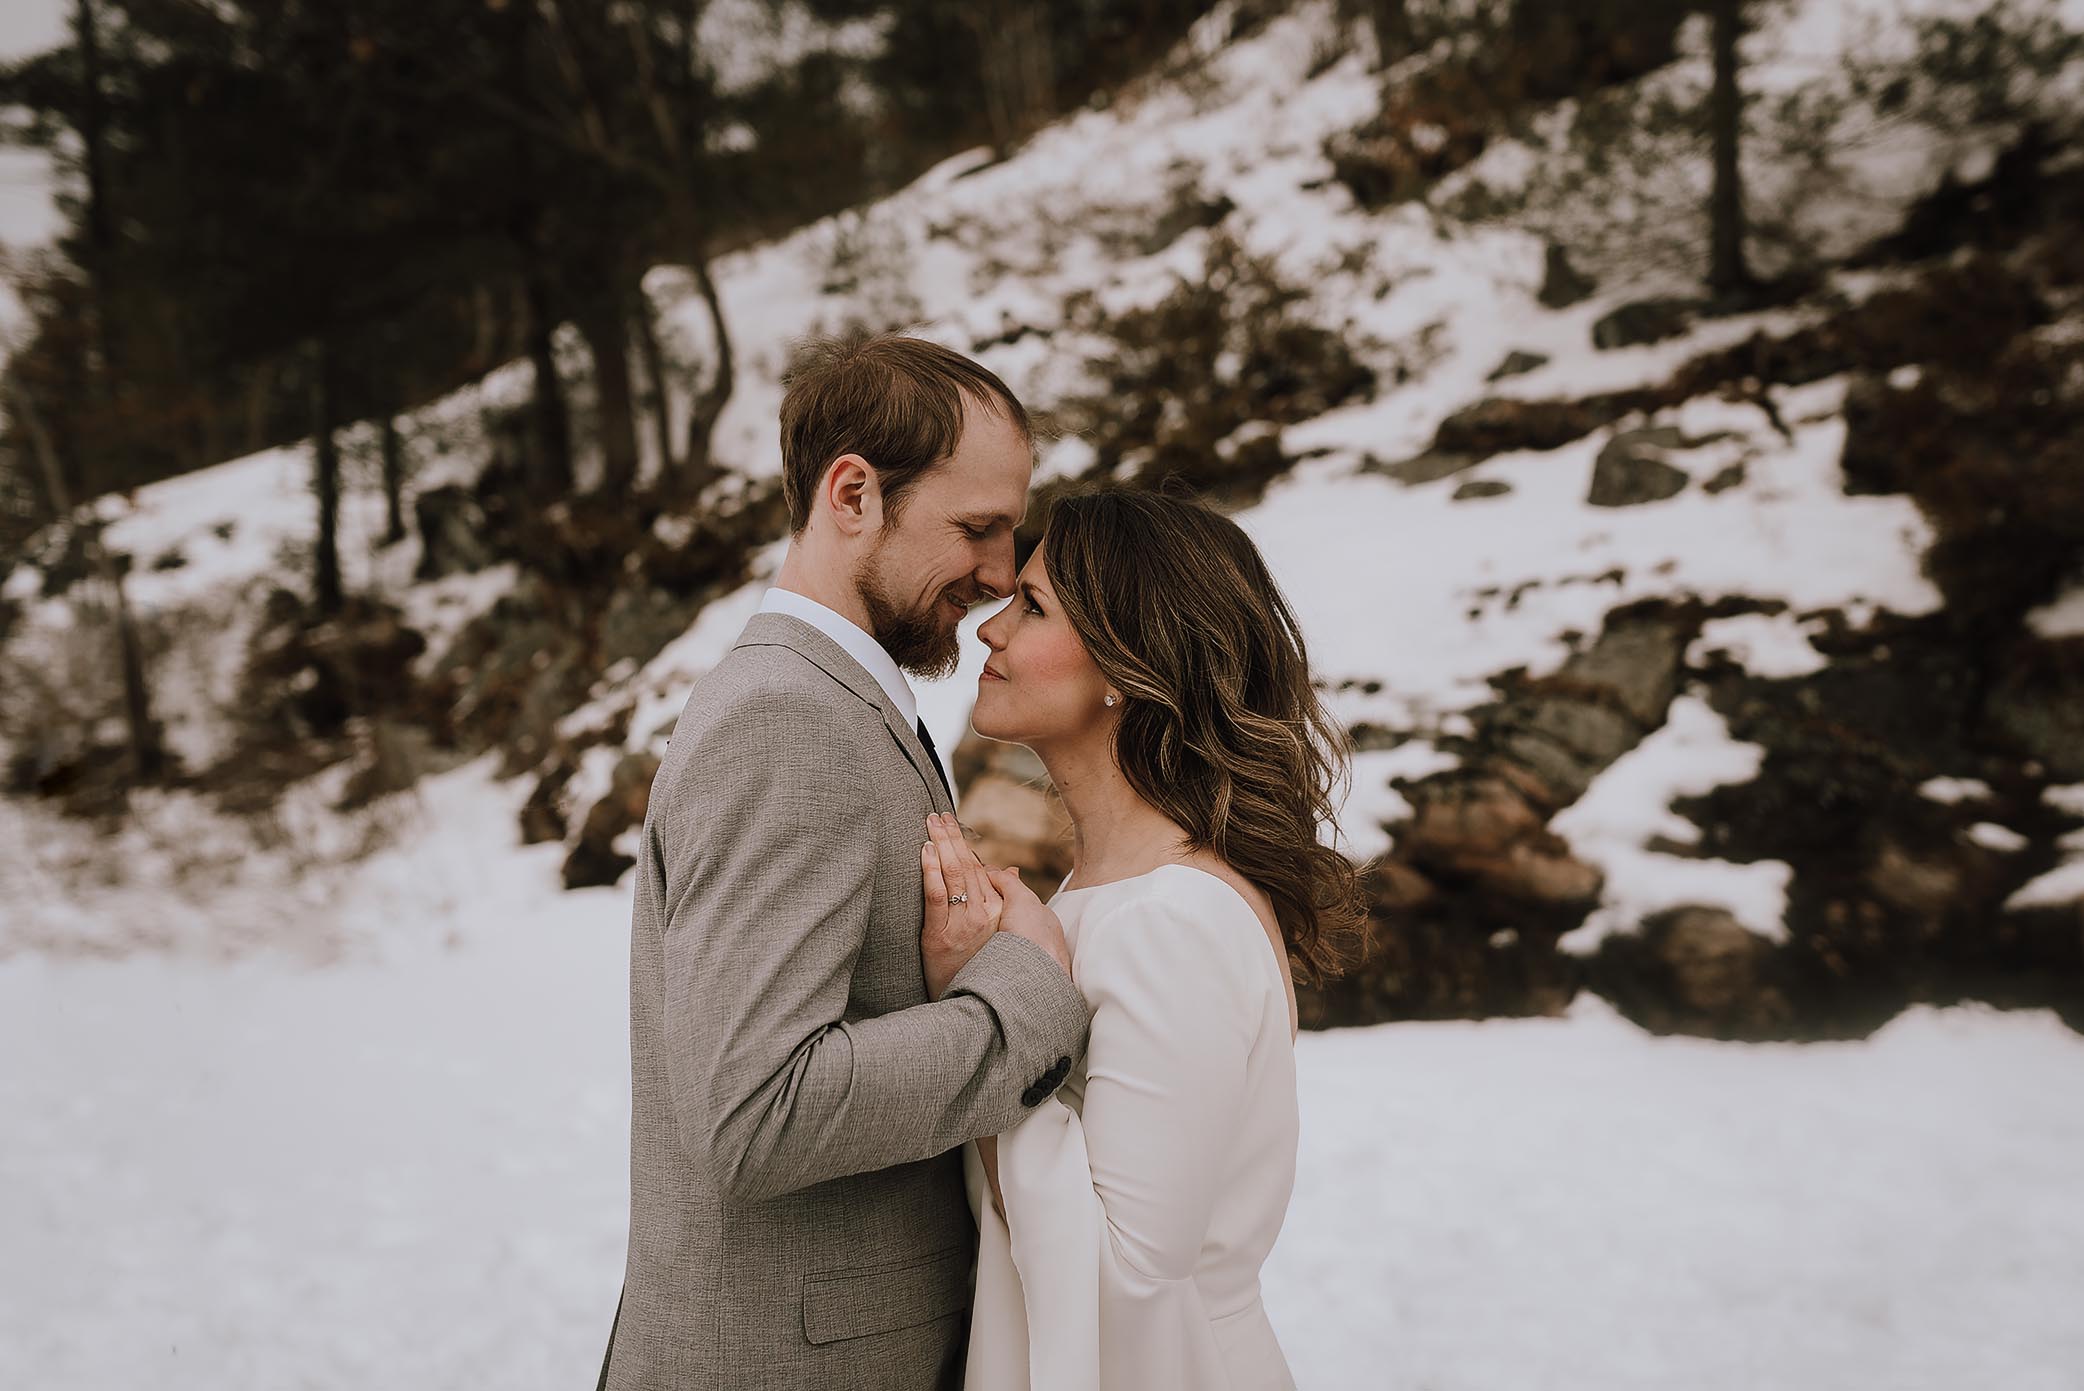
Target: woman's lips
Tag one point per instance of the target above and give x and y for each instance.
(989, 675)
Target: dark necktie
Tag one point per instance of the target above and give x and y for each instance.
(927, 740)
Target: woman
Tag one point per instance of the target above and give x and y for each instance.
(1148, 659)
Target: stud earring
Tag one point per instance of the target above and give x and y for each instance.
(1110, 698)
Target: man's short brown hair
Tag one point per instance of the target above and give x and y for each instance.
(893, 399)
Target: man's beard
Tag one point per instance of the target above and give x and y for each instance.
(919, 643)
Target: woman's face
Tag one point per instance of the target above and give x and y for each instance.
(1039, 685)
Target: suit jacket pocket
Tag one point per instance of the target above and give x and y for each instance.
(852, 1303)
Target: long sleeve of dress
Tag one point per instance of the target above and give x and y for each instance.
(1107, 1208)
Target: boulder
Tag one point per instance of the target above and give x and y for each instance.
(453, 533)
(542, 815)
(1727, 477)
(1482, 830)
(1517, 363)
(595, 861)
(1644, 321)
(1498, 424)
(1562, 284)
(1695, 970)
(1429, 467)
(1631, 469)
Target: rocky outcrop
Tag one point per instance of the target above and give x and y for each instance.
(596, 859)
(1470, 905)
(1016, 816)
(1498, 425)
(1694, 970)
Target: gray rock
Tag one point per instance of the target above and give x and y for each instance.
(1497, 424)
(1562, 284)
(1631, 469)
(1644, 321)
(1516, 363)
(1727, 477)
(1429, 467)
(452, 531)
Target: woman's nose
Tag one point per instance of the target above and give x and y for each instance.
(991, 631)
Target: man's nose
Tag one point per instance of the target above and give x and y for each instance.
(996, 573)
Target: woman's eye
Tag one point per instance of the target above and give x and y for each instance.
(1032, 609)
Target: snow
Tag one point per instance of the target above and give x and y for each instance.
(409, 1167)
(334, 1099)
(2064, 884)
(1568, 1204)
(1950, 790)
(1992, 836)
(1404, 586)
(1769, 646)
(2060, 617)
(1629, 804)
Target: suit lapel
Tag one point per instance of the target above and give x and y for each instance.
(786, 630)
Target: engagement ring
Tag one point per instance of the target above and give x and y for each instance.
(954, 899)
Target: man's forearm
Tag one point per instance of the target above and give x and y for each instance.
(892, 1089)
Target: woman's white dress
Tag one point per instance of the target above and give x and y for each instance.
(1143, 1196)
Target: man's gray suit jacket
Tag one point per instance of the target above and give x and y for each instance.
(797, 1213)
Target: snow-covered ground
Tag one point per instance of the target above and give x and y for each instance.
(408, 1168)
(274, 1113)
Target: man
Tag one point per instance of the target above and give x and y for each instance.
(803, 1068)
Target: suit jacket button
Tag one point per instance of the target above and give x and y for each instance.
(1061, 1070)
(1032, 1096)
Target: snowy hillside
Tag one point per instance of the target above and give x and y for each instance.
(1472, 526)
(1650, 665)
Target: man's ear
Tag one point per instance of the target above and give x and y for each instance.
(853, 495)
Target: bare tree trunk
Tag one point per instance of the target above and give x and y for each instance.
(553, 430)
(394, 480)
(709, 404)
(484, 340)
(606, 331)
(1391, 23)
(147, 754)
(1727, 272)
(101, 224)
(327, 596)
(645, 320)
(257, 384)
(1015, 65)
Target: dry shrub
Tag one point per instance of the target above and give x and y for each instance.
(1197, 385)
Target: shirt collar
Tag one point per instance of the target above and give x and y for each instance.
(855, 641)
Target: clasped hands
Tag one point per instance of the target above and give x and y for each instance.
(995, 900)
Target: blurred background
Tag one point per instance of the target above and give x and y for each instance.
(1666, 418)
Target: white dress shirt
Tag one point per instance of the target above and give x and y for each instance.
(854, 640)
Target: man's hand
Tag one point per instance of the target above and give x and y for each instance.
(952, 933)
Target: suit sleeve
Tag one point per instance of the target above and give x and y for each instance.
(770, 870)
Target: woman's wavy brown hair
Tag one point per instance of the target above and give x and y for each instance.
(1221, 729)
